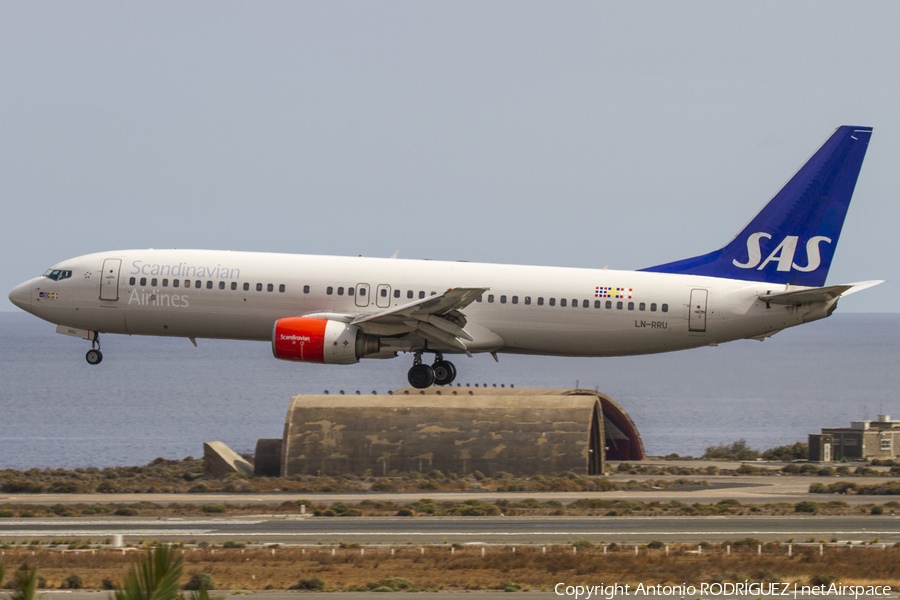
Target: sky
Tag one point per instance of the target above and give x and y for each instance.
(582, 134)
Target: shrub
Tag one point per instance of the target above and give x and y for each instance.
(232, 544)
(406, 512)
(396, 583)
(125, 512)
(735, 451)
(73, 582)
(877, 510)
(213, 508)
(807, 506)
(200, 580)
(474, 508)
(656, 544)
(315, 584)
(797, 451)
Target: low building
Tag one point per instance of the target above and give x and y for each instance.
(863, 440)
(457, 430)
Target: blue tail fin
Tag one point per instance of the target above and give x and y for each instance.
(793, 238)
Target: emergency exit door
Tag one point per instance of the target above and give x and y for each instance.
(109, 279)
(697, 315)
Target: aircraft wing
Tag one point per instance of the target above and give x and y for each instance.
(439, 305)
(437, 318)
(817, 295)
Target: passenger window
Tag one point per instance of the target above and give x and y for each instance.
(270, 287)
(527, 300)
(540, 300)
(562, 302)
(421, 295)
(609, 304)
(665, 308)
(515, 299)
(175, 282)
(490, 297)
(383, 293)
(143, 281)
(585, 304)
(131, 280)
(233, 285)
(597, 304)
(246, 287)
(153, 282)
(305, 289)
(642, 306)
(479, 298)
(329, 290)
(619, 305)
(503, 299)
(165, 283)
(362, 291)
(209, 285)
(631, 306)
(396, 293)
(653, 307)
(340, 291)
(221, 285)
(198, 284)
(258, 287)
(552, 301)
(187, 283)
(409, 294)
(281, 288)
(350, 291)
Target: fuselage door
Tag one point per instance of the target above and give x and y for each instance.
(383, 296)
(362, 294)
(109, 279)
(697, 318)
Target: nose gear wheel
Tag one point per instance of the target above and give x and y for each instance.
(94, 356)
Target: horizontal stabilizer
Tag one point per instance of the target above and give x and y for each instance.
(817, 295)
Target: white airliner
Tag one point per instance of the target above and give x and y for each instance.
(329, 309)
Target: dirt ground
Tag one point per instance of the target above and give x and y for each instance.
(446, 568)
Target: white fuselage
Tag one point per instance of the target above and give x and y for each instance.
(528, 309)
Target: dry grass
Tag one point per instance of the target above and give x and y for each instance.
(466, 568)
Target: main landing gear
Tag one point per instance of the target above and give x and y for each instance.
(94, 356)
(421, 376)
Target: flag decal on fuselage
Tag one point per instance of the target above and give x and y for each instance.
(612, 292)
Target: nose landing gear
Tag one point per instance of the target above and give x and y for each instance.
(94, 356)
(421, 376)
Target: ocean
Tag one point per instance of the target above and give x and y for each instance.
(158, 397)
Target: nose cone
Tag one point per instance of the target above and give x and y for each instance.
(21, 296)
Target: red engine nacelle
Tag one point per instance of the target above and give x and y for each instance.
(308, 339)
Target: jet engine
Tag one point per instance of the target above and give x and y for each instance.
(308, 339)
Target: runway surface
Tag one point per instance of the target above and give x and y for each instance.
(383, 531)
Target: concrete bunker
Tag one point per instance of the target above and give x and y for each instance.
(457, 430)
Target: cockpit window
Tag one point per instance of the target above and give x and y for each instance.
(57, 274)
